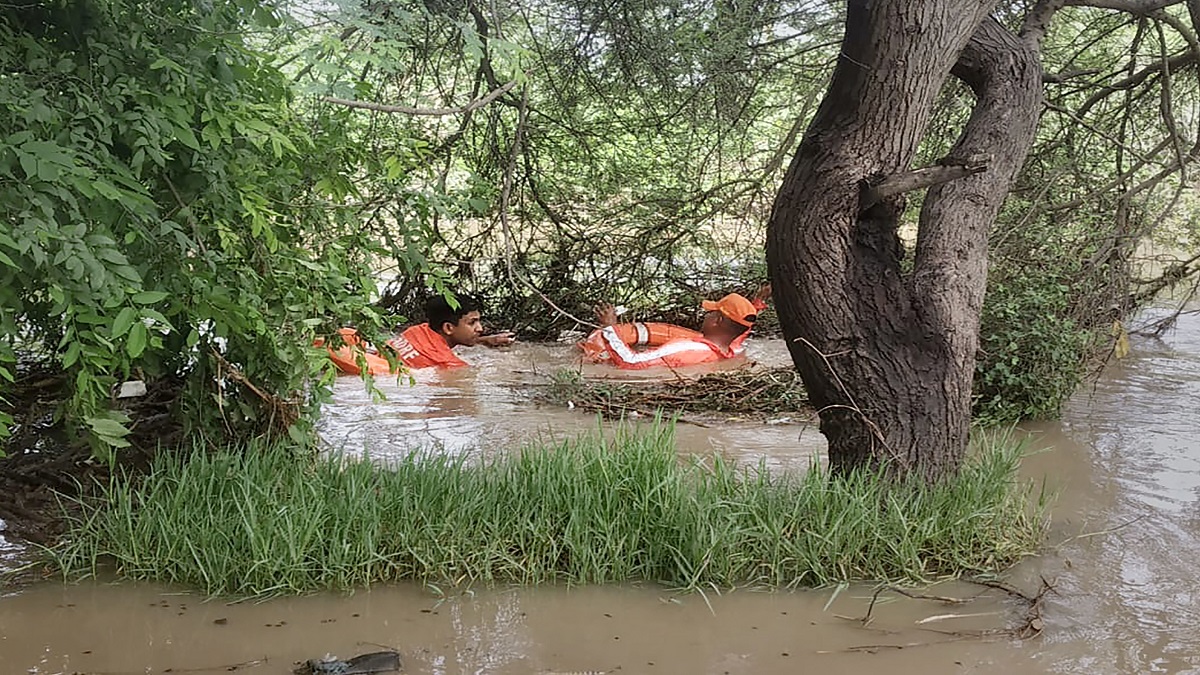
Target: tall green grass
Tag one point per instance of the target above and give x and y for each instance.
(592, 509)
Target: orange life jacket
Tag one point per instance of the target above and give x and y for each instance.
(417, 347)
(635, 335)
(668, 346)
(422, 347)
(346, 357)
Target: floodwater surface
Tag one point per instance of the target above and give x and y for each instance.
(492, 407)
(1121, 557)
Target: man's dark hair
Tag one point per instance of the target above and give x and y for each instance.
(439, 312)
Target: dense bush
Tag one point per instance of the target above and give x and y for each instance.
(165, 213)
(1032, 352)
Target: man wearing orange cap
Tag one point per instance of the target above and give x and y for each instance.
(726, 326)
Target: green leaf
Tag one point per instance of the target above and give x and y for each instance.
(124, 320)
(136, 344)
(212, 135)
(158, 317)
(72, 355)
(100, 240)
(107, 190)
(104, 426)
(296, 434)
(187, 137)
(28, 164)
(150, 297)
(112, 256)
(91, 318)
(128, 273)
(48, 171)
(164, 62)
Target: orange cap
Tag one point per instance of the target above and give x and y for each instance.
(735, 307)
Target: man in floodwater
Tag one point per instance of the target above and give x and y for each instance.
(431, 343)
(425, 345)
(726, 326)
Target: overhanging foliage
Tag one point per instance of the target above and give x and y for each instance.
(167, 215)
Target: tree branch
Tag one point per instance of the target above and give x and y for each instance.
(950, 262)
(1174, 63)
(1137, 7)
(1117, 142)
(1122, 178)
(1187, 32)
(381, 107)
(873, 192)
(1038, 20)
(1059, 78)
(1168, 114)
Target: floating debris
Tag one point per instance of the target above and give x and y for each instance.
(364, 664)
(773, 394)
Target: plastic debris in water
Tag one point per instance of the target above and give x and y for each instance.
(131, 389)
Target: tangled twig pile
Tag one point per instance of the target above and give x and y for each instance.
(758, 392)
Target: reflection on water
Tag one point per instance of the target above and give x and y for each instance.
(1122, 556)
(483, 407)
(11, 554)
(438, 409)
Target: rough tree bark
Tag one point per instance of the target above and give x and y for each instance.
(887, 355)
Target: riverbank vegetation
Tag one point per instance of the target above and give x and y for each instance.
(596, 508)
(192, 192)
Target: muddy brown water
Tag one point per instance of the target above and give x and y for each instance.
(1122, 556)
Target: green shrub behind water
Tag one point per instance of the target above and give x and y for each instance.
(1033, 352)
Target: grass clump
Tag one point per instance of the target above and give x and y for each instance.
(591, 509)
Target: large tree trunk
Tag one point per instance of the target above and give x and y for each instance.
(887, 355)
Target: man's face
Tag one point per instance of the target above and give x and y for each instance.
(466, 332)
(713, 323)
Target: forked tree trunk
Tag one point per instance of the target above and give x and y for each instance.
(887, 355)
